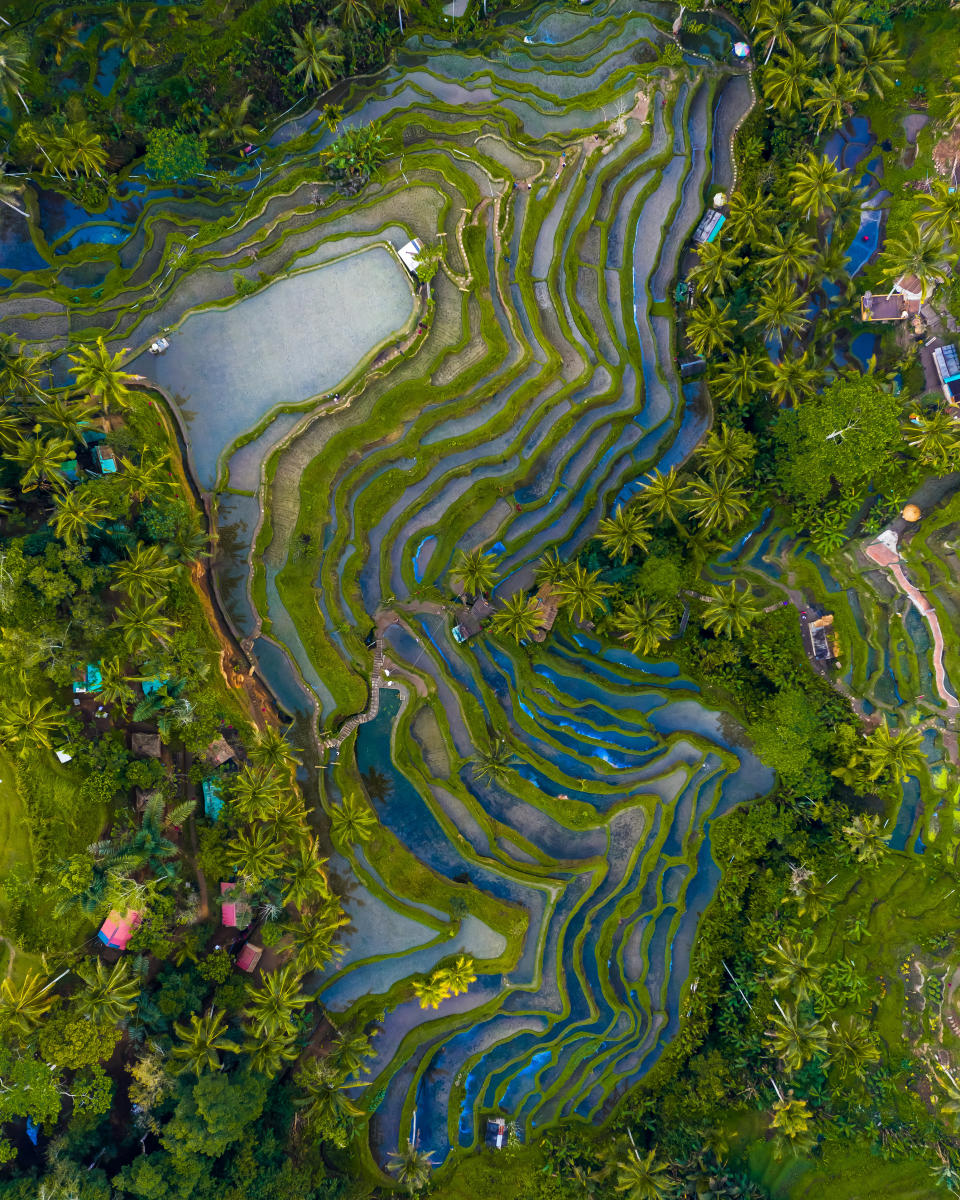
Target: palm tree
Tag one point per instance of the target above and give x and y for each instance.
(644, 625)
(624, 532)
(75, 514)
(351, 13)
(834, 29)
(98, 372)
(22, 374)
(791, 1121)
(272, 1008)
(79, 148)
(786, 80)
(27, 723)
(717, 267)
(747, 216)
(130, 34)
(550, 568)
(325, 1102)
(23, 1004)
(833, 98)
(717, 500)
(866, 839)
(740, 376)
(475, 572)
(582, 592)
(146, 573)
(796, 1039)
(519, 618)
(14, 63)
(643, 1177)
(305, 878)
(729, 611)
(61, 31)
(775, 22)
(313, 940)
(879, 61)
(287, 820)
(792, 968)
(937, 439)
(315, 57)
(898, 751)
(781, 308)
(412, 1166)
(787, 255)
(271, 748)
(142, 623)
(918, 252)
(70, 418)
(255, 790)
(795, 377)
(110, 993)
(352, 822)
(350, 1050)
(115, 685)
(432, 991)
(817, 185)
(231, 126)
(853, 1046)
(460, 975)
(952, 116)
(709, 329)
(40, 461)
(941, 210)
(202, 1042)
(494, 764)
(665, 496)
(256, 854)
(731, 449)
(269, 1055)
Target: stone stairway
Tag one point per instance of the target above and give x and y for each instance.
(336, 740)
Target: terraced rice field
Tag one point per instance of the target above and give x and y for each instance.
(511, 407)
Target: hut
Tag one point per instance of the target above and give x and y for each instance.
(895, 306)
(235, 910)
(91, 681)
(409, 254)
(212, 797)
(249, 956)
(709, 228)
(470, 624)
(946, 361)
(548, 606)
(116, 931)
(219, 751)
(104, 459)
(146, 745)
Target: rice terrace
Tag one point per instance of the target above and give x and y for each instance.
(478, 600)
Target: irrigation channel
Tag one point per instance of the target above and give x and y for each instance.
(352, 432)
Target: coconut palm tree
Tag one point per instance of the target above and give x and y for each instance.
(709, 329)
(147, 479)
(130, 34)
(230, 126)
(255, 790)
(717, 500)
(351, 14)
(14, 63)
(269, 1055)
(202, 1042)
(324, 1100)
(817, 184)
(494, 764)
(899, 751)
(23, 1004)
(627, 530)
(952, 116)
(76, 514)
(919, 252)
(313, 942)
(70, 418)
(98, 372)
(271, 748)
(146, 573)
(475, 572)
(643, 1176)
(352, 822)
(717, 267)
(79, 149)
(832, 99)
(273, 1007)
(792, 969)
(460, 975)
(936, 438)
(115, 685)
(664, 495)
(304, 876)
(787, 256)
(738, 378)
(791, 1123)
(730, 449)
(411, 1165)
(582, 591)
(350, 1051)
(550, 568)
(879, 63)
(795, 377)
(786, 80)
(866, 838)
(287, 820)
(730, 611)
(40, 460)
(61, 32)
(941, 210)
(644, 625)
(835, 29)
(519, 618)
(853, 1046)
(28, 723)
(315, 56)
(142, 623)
(796, 1039)
(432, 991)
(747, 216)
(781, 308)
(110, 993)
(256, 855)
(22, 375)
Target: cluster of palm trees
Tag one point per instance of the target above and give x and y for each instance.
(886, 754)
(454, 980)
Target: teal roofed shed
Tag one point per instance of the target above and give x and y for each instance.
(104, 458)
(92, 680)
(212, 798)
